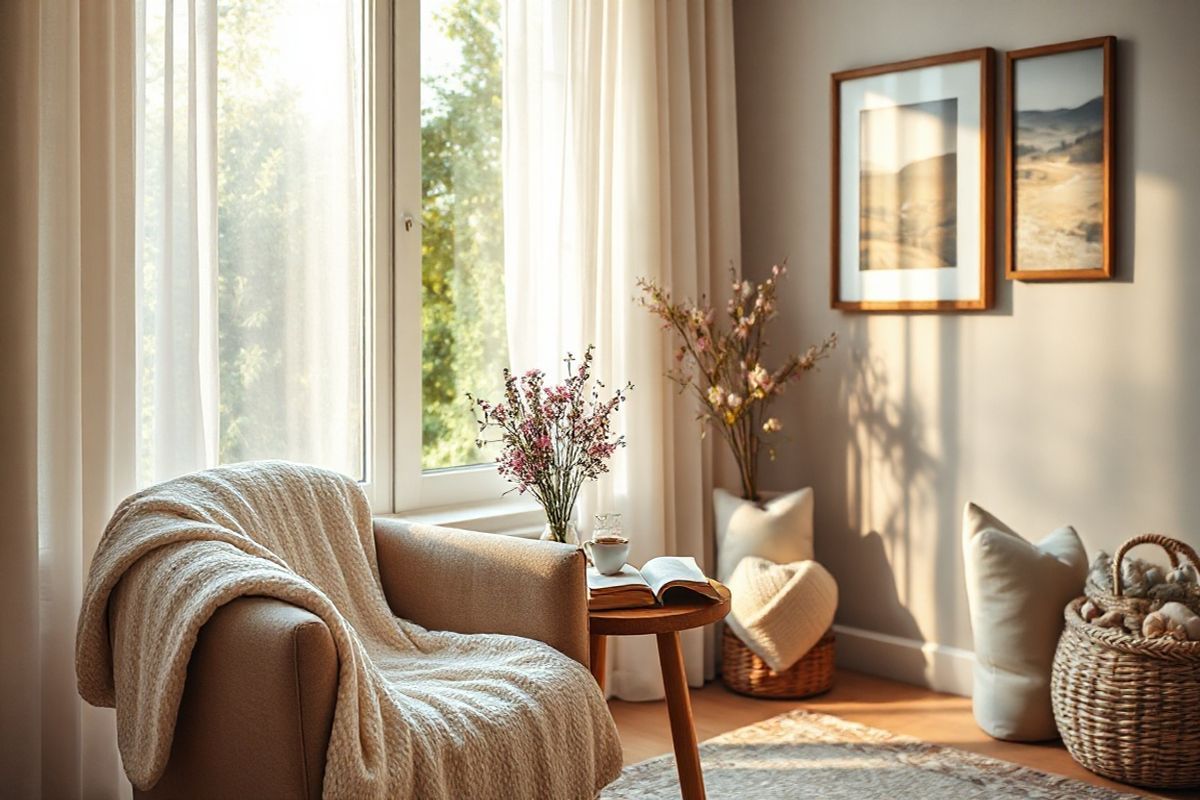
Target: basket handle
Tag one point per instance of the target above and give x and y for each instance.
(1174, 549)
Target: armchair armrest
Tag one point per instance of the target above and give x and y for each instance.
(452, 580)
(257, 707)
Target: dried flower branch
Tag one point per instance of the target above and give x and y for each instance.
(723, 366)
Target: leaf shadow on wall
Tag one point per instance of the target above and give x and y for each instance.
(889, 479)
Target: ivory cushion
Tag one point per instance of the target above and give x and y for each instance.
(781, 610)
(782, 531)
(1017, 591)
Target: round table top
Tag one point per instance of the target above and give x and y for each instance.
(677, 616)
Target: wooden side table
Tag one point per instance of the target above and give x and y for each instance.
(665, 622)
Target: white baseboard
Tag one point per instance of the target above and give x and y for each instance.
(929, 664)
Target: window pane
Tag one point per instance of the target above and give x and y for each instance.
(252, 287)
(291, 230)
(464, 345)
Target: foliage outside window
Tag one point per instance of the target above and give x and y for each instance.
(464, 347)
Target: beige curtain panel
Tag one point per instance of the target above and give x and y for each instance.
(67, 424)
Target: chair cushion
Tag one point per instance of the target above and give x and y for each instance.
(1016, 591)
(781, 610)
(780, 531)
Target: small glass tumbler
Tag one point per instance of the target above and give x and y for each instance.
(614, 526)
(601, 526)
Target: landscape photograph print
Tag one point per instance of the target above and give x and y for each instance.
(1059, 161)
(908, 186)
(912, 226)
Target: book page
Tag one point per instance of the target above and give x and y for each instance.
(658, 572)
(628, 576)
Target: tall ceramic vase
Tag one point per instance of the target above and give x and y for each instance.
(779, 529)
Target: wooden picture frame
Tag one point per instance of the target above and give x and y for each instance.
(1074, 249)
(919, 105)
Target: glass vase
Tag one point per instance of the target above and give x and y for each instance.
(569, 534)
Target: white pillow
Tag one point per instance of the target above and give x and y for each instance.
(1017, 591)
(781, 532)
(781, 610)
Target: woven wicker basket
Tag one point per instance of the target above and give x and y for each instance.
(1128, 707)
(746, 673)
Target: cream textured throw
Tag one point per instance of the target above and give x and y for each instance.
(781, 610)
(420, 714)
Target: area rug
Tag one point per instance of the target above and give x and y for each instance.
(802, 755)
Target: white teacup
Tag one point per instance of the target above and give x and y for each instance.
(608, 554)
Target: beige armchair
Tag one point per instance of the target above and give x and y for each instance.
(258, 704)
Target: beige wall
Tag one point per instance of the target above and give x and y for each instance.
(1066, 403)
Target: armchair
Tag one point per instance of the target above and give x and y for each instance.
(257, 706)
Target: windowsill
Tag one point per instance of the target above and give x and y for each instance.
(509, 516)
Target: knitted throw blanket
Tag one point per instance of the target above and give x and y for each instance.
(421, 714)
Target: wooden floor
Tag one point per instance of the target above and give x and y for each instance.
(897, 707)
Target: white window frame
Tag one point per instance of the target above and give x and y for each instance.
(377, 126)
(396, 483)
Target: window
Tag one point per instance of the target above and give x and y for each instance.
(448, 297)
(291, 272)
(253, 260)
(321, 247)
(464, 347)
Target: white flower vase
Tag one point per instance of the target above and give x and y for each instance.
(779, 529)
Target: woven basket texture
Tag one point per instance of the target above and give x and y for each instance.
(746, 673)
(1128, 707)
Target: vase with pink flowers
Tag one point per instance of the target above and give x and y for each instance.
(721, 359)
(553, 437)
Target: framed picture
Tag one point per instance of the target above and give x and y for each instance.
(1058, 143)
(912, 185)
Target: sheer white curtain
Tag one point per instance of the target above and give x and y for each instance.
(177, 235)
(253, 348)
(620, 162)
(67, 419)
(111, 306)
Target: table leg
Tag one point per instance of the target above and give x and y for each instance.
(679, 707)
(597, 651)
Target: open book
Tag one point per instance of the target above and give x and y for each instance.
(632, 588)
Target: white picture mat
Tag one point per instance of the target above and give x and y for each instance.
(959, 80)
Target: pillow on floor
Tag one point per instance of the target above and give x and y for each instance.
(1017, 591)
(781, 610)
